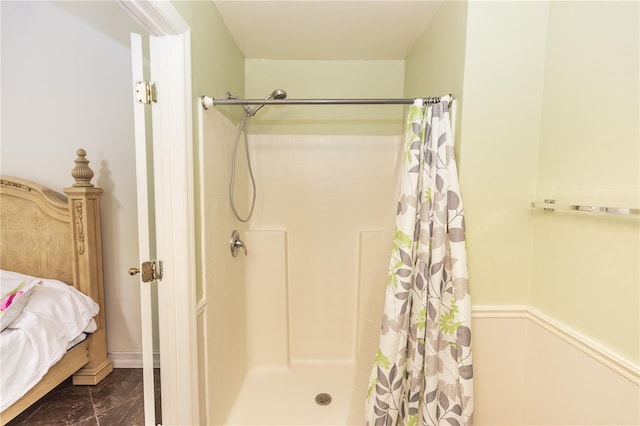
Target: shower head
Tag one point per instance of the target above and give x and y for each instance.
(276, 94)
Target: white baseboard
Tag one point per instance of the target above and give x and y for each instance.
(131, 359)
(596, 351)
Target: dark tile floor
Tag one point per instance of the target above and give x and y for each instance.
(117, 400)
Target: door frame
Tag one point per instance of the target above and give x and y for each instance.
(170, 47)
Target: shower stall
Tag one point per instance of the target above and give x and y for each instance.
(292, 327)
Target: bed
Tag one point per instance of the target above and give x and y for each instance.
(46, 238)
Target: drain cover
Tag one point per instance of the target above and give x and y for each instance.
(323, 399)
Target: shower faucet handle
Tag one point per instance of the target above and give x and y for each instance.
(235, 243)
(236, 248)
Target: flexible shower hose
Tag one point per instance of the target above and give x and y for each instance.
(242, 128)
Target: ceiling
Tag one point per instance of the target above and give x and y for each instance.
(317, 29)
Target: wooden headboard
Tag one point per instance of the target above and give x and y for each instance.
(49, 235)
(35, 230)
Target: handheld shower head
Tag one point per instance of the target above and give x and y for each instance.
(276, 94)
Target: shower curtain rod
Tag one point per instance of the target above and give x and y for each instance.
(208, 102)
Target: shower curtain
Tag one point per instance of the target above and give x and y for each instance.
(423, 372)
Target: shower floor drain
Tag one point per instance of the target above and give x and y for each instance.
(323, 399)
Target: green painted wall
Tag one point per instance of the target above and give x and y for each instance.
(435, 64)
(586, 268)
(217, 62)
(327, 79)
(503, 78)
(548, 108)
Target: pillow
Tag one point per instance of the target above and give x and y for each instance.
(15, 291)
(60, 305)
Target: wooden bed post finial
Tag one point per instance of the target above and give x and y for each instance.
(83, 200)
(81, 172)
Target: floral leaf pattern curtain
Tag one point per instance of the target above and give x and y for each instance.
(423, 372)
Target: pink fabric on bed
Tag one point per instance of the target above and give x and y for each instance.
(15, 290)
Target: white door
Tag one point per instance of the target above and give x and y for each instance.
(172, 209)
(146, 244)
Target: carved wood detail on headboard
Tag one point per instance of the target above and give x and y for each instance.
(34, 230)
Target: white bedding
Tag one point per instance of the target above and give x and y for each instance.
(51, 321)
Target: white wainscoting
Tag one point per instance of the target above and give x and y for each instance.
(531, 369)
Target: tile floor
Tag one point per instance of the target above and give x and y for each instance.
(117, 400)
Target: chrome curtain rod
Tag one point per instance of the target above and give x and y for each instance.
(208, 102)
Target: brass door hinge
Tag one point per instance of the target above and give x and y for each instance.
(147, 92)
